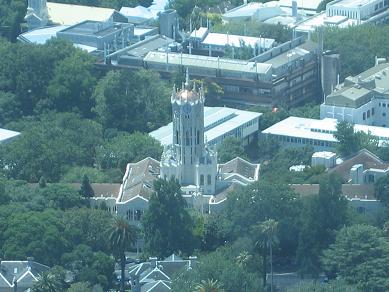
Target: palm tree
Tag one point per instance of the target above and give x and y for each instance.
(268, 231)
(47, 282)
(122, 238)
(243, 258)
(209, 285)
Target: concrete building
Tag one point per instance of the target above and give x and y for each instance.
(324, 158)
(344, 13)
(219, 123)
(168, 23)
(285, 74)
(300, 132)
(362, 99)
(99, 35)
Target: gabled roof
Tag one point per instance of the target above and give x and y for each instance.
(153, 275)
(158, 286)
(25, 272)
(240, 166)
(365, 157)
(138, 179)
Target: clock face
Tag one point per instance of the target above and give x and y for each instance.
(187, 108)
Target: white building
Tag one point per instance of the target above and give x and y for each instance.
(343, 13)
(219, 123)
(215, 43)
(188, 158)
(299, 132)
(362, 99)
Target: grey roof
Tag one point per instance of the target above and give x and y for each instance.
(360, 89)
(241, 167)
(139, 178)
(365, 157)
(157, 286)
(24, 272)
(142, 48)
(208, 62)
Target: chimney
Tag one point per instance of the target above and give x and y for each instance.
(29, 262)
(192, 261)
(153, 262)
(294, 8)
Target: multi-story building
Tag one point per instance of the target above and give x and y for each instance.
(219, 123)
(362, 99)
(344, 13)
(285, 74)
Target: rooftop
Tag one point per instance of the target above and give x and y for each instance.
(222, 39)
(351, 3)
(142, 48)
(217, 121)
(70, 14)
(302, 4)
(138, 180)
(187, 60)
(322, 130)
(7, 134)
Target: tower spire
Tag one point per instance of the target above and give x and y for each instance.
(187, 79)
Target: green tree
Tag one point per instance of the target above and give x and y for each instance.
(321, 216)
(12, 14)
(125, 148)
(89, 227)
(381, 190)
(10, 108)
(86, 189)
(322, 5)
(167, 225)
(360, 255)
(229, 149)
(209, 285)
(268, 234)
(72, 83)
(221, 266)
(122, 238)
(48, 145)
(48, 282)
(132, 101)
(61, 197)
(4, 196)
(80, 287)
(348, 139)
(332, 286)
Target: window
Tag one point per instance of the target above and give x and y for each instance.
(209, 179)
(383, 104)
(201, 180)
(364, 116)
(384, 114)
(372, 111)
(177, 137)
(368, 113)
(138, 215)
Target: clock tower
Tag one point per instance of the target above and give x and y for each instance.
(188, 158)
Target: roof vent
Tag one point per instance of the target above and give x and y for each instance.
(15, 270)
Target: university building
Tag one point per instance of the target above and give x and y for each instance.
(188, 158)
(361, 99)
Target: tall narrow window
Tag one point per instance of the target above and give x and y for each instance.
(201, 179)
(198, 137)
(209, 179)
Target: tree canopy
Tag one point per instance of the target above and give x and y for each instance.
(167, 225)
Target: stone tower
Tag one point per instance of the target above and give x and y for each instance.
(36, 16)
(188, 158)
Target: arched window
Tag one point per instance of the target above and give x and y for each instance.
(201, 179)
